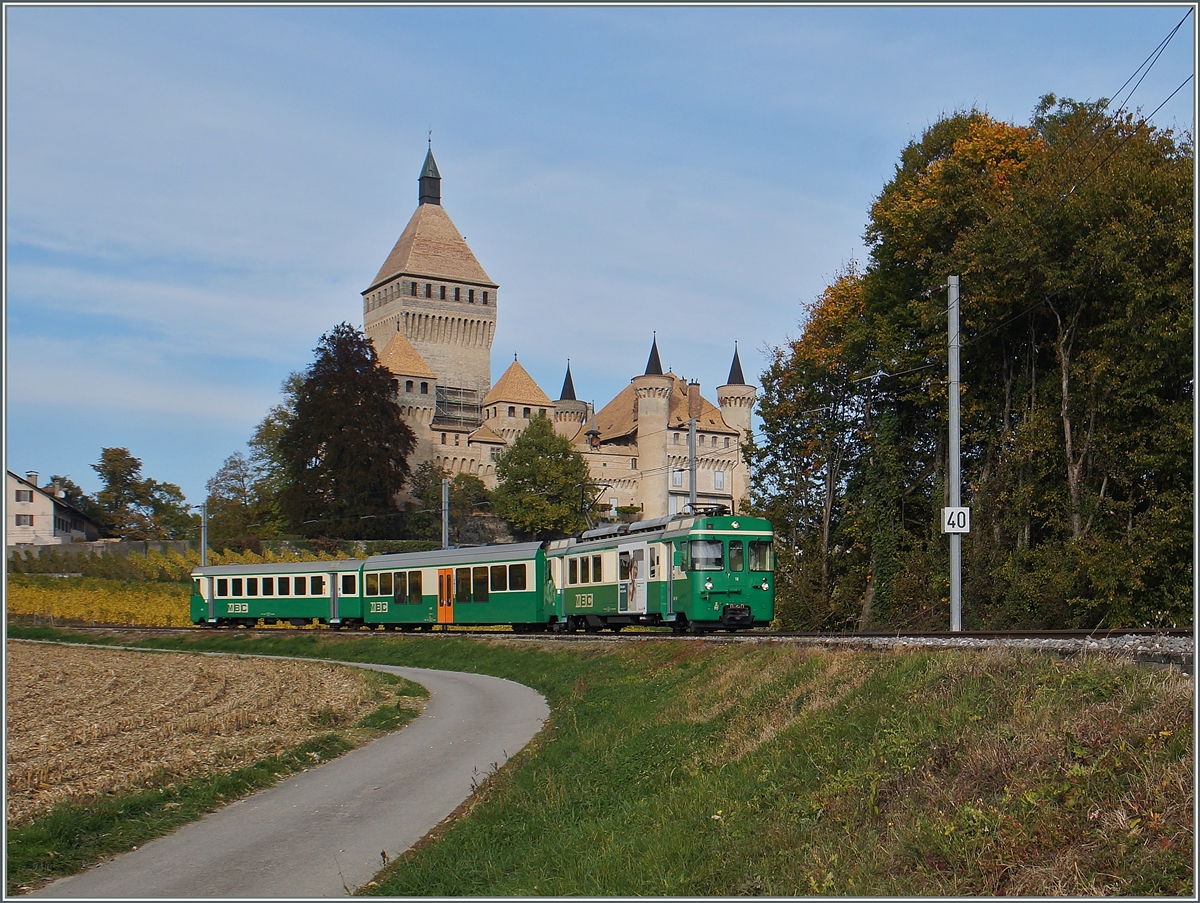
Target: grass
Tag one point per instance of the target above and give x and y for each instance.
(693, 769)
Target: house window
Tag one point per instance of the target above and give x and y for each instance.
(424, 388)
(471, 296)
(24, 495)
(428, 290)
(485, 298)
(676, 477)
(24, 520)
(457, 296)
(719, 479)
(413, 288)
(442, 293)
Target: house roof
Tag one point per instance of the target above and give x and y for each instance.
(616, 419)
(516, 385)
(485, 434)
(58, 501)
(431, 246)
(402, 358)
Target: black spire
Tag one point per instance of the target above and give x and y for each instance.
(654, 365)
(735, 371)
(430, 181)
(568, 389)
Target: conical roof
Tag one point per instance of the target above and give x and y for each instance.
(429, 169)
(616, 419)
(431, 246)
(735, 370)
(516, 385)
(568, 389)
(400, 357)
(653, 365)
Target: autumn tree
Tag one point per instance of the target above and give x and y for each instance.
(343, 451)
(131, 506)
(423, 517)
(543, 484)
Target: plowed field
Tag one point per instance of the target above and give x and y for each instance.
(86, 721)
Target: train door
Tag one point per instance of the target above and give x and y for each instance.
(445, 596)
(632, 572)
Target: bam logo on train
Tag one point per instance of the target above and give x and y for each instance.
(689, 573)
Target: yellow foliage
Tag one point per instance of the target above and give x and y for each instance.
(92, 599)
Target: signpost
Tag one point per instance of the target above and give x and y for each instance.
(956, 520)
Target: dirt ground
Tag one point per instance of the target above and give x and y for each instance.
(86, 721)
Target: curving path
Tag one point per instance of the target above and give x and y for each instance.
(322, 832)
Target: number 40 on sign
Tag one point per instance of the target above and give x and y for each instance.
(956, 520)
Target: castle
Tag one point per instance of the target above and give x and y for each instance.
(431, 314)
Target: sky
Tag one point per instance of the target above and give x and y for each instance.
(193, 195)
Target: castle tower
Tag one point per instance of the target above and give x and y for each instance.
(433, 291)
(514, 401)
(652, 391)
(570, 414)
(736, 399)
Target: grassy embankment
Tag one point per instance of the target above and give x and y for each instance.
(690, 769)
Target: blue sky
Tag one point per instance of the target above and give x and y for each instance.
(194, 195)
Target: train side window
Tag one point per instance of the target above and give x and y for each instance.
(222, 586)
(316, 586)
(195, 587)
(762, 556)
(301, 586)
(237, 586)
(686, 558)
(251, 586)
(596, 571)
(371, 582)
(707, 554)
(516, 576)
(736, 559)
(268, 586)
(285, 586)
(499, 578)
(414, 587)
(653, 563)
(385, 584)
(348, 581)
(480, 584)
(462, 585)
(584, 576)
(572, 571)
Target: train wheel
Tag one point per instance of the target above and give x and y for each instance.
(615, 628)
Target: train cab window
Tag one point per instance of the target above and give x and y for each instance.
(316, 586)
(237, 586)
(285, 586)
(596, 578)
(462, 585)
(222, 586)
(572, 571)
(499, 578)
(414, 587)
(268, 584)
(195, 587)
(516, 576)
(653, 563)
(584, 576)
(736, 558)
(707, 554)
(251, 586)
(348, 582)
(685, 562)
(479, 581)
(762, 556)
(385, 584)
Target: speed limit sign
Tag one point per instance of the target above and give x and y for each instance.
(956, 520)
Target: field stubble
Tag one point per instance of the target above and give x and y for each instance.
(83, 722)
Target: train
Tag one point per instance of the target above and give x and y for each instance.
(692, 573)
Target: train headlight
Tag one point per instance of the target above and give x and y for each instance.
(765, 586)
(708, 584)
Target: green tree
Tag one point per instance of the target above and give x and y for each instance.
(344, 451)
(232, 502)
(133, 507)
(267, 468)
(542, 484)
(423, 518)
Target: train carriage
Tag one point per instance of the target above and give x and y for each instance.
(298, 592)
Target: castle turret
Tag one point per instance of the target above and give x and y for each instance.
(570, 414)
(736, 399)
(652, 391)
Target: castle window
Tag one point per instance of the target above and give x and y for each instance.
(633, 463)
(443, 438)
(727, 442)
(714, 442)
(485, 298)
(719, 479)
(408, 385)
(512, 411)
(413, 288)
(442, 293)
(525, 413)
(676, 477)
(395, 383)
(457, 295)
(456, 438)
(677, 438)
(428, 290)
(470, 296)
(424, 388)
(542, 412)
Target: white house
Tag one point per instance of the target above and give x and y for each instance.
(39, 517)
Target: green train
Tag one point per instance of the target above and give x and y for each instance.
(689, 573)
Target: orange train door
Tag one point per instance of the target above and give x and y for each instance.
(446, 597)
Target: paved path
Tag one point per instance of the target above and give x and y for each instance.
(321, 832)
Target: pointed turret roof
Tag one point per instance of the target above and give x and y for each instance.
(516, 385)
(430, 181)
(654, 365)
(429, 169)
(735, 370)
(400, 357)
(616, 419)
(568, 389)
(431, 246)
